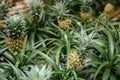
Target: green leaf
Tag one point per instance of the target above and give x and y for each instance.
(67, 44)
(106, 74)
(101, 50)
(99, 68)
(6, 73)
(2, 50)
(113, 77)
(47, 58)
(111, 45)
(9, 57)
(75, 75)
(16, 71)
(58, 50)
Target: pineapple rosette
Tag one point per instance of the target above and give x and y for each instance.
(36, 11)
(14, 31)
(3, 11)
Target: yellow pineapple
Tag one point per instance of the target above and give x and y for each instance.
(65, 24)
(108, 8)
(14, 31)
(16, 45)
(75, 60)
(87, 16)
(36, 10)
(1, 25)
(46, 4)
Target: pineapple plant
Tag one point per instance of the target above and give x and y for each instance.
(1, 25)
(3, 11)
(75, 60)
(36, 10)
(14, 31)
(60, 11)
(86, 11)
(38, 74)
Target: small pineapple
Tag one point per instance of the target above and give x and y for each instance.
(1, 25)
(86, 16)
(36, 10)
(65, 24)
(75, 60)
(119, 27)
(14, 31)
(108, 8)
(45, 4)
(3, 9)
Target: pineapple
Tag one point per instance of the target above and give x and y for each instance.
(19, 7)
(86, 16)
(108, 8)
(36, 10)
(65, 24)
(1, 25)
(75, 60)
(14, 31)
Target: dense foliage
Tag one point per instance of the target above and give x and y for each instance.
(59, 40)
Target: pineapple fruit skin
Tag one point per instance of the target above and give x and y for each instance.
(108, 8)
(15, 45)
(75, 60)
(86, 16)
(65, 24)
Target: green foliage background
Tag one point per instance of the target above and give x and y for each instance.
(47, 44)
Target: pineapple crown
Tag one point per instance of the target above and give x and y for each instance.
(85, 5)
(36, 9)
(3, 9)
(59, 10)
(38, 74)
(14, 26)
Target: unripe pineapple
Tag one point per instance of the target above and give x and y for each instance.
(65, 24)
(14, 31)
(86, 16)
(108, 8)
(36, 9)
(75, 60)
